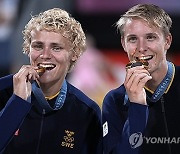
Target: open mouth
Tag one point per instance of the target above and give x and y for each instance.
(144, 58)
(139, 61)
(46, 66)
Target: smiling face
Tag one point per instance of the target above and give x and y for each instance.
(140, 40)
(52, 51)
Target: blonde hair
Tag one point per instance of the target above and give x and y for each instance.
(152, 14)
(56, 20)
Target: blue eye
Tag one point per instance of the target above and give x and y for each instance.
(37, 47)
(57, 48)
(151, 37)
(132, 39)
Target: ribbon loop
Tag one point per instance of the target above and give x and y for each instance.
(44, 103)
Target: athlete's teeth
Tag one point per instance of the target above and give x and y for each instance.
(144, 58)
(46, 65)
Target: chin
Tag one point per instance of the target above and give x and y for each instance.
(44, 79)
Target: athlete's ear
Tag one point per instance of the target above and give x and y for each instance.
(123, 43)
(168, 42)
(74, 57)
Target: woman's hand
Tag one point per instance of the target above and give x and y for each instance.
(22, 81)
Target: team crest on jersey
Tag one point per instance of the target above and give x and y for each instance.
(105, 129)
(68, 139)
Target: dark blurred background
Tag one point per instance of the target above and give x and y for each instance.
(105, 69)
(99, 16)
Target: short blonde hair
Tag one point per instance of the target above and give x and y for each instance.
(152, 14)
(56, 20)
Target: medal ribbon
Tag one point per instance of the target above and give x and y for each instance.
(44, 103)
(163, 86)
